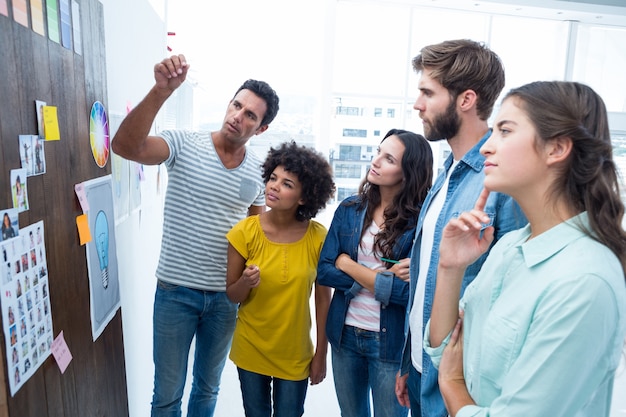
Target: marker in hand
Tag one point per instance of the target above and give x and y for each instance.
(389, 260)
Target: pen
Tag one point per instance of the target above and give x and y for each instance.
(389, 260)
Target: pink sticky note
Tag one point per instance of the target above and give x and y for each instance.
(61, 352)
(82, 197)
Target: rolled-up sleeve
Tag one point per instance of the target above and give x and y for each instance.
(383, 286)
(435, 353)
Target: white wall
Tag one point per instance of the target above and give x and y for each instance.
(136, 38)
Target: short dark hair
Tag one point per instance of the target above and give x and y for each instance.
(267, 93)
(313, 172)
(463, 64)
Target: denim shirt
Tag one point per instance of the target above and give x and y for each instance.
(466, 183)
(344, 236)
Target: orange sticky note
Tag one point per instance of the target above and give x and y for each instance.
(50, 123)
(83, 229)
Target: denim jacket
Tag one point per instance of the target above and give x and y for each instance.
(466, 183)
(344, 236)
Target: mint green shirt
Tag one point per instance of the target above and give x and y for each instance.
(544, 326)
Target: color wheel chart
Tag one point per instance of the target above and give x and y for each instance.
(99, 134)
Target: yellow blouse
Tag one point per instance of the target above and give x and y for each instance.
(273, 331)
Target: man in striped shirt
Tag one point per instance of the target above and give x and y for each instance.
(213, 182)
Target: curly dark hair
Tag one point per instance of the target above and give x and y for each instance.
(401, 215)
(313, 172)
(267, 93)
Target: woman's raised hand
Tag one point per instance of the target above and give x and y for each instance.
(465, 238)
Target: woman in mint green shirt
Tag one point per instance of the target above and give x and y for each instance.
(541, 329)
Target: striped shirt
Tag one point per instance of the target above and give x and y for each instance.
(204, 200)
(364, 309)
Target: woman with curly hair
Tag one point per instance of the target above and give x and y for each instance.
(365, 258)
(272, 269)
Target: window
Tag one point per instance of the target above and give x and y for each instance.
(343, 193)
(355, 133)
(600, 62)
(372, 62)
(551, 49)
(349, 153)
(347, 170)
(521, 55)
(347, 111)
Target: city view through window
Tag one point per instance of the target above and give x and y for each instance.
(347, 81)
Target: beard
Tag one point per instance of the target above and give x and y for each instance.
(445, 125)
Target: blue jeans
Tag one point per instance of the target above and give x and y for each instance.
(256, 390)
(357, 369)
(181, 313)
(414, 385)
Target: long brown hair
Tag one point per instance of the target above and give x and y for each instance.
(589, 181)
(401, 215)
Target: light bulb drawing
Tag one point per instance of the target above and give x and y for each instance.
(102, 246)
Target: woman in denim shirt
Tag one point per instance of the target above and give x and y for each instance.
(365, 258)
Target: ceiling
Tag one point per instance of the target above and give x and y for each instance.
(601, 12)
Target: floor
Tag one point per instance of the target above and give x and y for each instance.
(320, 401)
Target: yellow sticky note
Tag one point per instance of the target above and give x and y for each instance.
(83, 229)
(50, 123)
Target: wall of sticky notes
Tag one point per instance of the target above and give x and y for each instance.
(53, 66)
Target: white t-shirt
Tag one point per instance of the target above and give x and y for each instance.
(416, 316)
